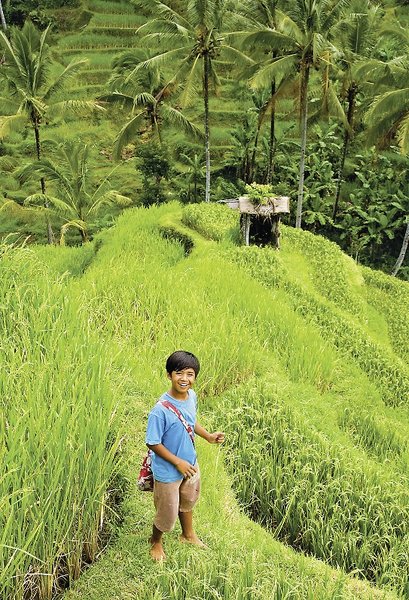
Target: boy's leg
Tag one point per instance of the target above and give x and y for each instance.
(157, 552)
(188, 533)
(189, 494)
(166, 500)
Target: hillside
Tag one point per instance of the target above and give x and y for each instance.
(304, 359)
(368, 219)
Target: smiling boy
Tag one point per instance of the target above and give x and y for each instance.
(170, 435)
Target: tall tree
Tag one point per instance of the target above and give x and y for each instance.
(301, 40)
(256, 14)
(359, 33)
(31, 90)
(2, 17)
(196, 41)
(388, 117)
(75, 197)
(147, 97)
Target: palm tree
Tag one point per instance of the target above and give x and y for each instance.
(30, 90)
(359, 34)
(300, 41)
(148, 99)
(74, 198)
(194, 174)
(2, 17)
(196, 41)
(261, 12)
(388, 117)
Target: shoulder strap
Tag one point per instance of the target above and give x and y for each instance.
(181, 418)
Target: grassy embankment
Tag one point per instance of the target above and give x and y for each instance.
(315, 421)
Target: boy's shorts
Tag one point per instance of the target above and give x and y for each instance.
(172, 498)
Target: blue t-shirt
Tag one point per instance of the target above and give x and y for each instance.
(164, 427)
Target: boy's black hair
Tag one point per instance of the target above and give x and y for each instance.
(182, 360)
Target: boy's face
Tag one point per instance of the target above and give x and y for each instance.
(182, 381)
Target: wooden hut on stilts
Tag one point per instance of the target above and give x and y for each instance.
(260, 223)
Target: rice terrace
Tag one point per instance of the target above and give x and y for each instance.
(230, 178)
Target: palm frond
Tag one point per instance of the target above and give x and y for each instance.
(74, 223)
(175, 117)
(40, 65)
(403, 134)
(235, 56)
(11, 123)
(110, 198)
(75, 107)
(72, 69)
(277, 68)
(51, 203)
(159, 27)
(269, 39)
(191, 79)
(118, 98)
(45, 168)
(127, 134)
(289, 28)
(161, 59)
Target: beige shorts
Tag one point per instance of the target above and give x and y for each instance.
(172, 498)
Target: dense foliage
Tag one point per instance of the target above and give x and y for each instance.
(346, 172)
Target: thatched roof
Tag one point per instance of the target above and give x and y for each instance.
(276, 205)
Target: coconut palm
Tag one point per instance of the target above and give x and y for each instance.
(2, 17)
(194, 174)
(255, 14)
(147, 97)
(30, 89)
(388, 117)
(196, 41)
(74, 198)
(301, 39)
(359, 33)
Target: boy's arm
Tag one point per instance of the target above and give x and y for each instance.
(183, 466)
(213, 438)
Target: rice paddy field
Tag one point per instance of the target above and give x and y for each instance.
(304, 366)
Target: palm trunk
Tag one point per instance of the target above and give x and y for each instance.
(252, 166)
(206, 123)
(402, 253)
(352, 91)
(270, 170)
(305, 72)
(36, 125)
(2, 18)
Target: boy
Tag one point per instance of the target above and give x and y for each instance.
(174, 461)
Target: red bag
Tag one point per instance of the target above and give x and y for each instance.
(145, 479)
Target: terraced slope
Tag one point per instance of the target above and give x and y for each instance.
(321, 431)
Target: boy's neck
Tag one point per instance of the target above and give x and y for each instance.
(178, 395)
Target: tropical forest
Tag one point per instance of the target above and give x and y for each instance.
(231, 179)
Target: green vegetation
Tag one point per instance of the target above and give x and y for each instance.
(299, 95)
(304, 351)
(322, 433)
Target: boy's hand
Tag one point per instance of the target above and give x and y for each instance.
(216, 438)
(184, 467)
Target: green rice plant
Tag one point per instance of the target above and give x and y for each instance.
(309, 492)
(140, 297)
(117, 20)
(53, 492)
(214, 221)
(346, 333)
(377, 436)
(94, 41)
(107, 7)
(390, 297)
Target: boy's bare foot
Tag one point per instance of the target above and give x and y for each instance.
(156, 551)
(192, 539)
